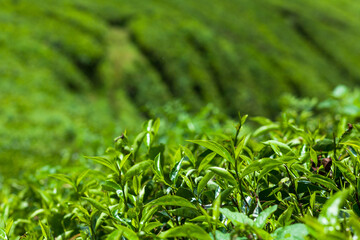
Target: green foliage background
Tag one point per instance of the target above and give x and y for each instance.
(75, 74)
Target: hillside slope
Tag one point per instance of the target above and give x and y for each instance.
(74, 71)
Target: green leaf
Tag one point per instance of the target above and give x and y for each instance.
(324, 145)
(188, 230)
(263, 216)
(64, 178)
(158, 166)
(330, 211)
(204, 181)
(104, 161)
(137, 169)
(264, 129)
(215, 147)
(3, 235)
(123, 160)
(351, 143)
(111, 186)
(222, 236)
(313, 156)
(115, 235)
(171, 200)
(96, 204)
(259, 165)
(127, 232)
(346, 171)
(236, 217)
(205, 161)
(45, 231)
(278, 147)
(224, 174)
(81, 176)
(8, 225)
(174, 174)
(189, 154)
(239, 147)
(216, 208)
(150, 226)
(147, 213)
(297, 231)
(327, 182)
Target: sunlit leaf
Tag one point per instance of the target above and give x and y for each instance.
(171, 201)
(187, 230)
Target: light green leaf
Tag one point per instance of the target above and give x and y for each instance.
(352, 143)
(224, 174)
(188, 230)
(96, 204)
(206, 160)
(297, 231)
(127, 232)
(313, 156)
(327, 182)
(237, 218)
(158, 166)
(263, 216)
(216, 208)
(346, 171)
(81, 176)
(189, 154)
(111, 186)
(3, 235)
(259, 165)
(138, 168)
(215, 147)
(115, 235)
(104, 161)
(150, 226)
(170, 200)
(204, 181)
(265, 129)
(64, 178)
(330, 211)
(174, 174)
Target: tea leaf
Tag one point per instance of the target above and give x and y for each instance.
(137, 169)
(224, 173)
(297, 231)
(264, 215)
(236, 217)
(215, 147)
(171, 201)
(188, 230)
(158, 166)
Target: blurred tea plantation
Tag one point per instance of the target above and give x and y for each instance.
(77, 73)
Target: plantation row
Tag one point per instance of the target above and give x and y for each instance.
(295, 178)
(71, 62)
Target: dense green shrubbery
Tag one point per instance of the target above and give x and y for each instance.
(294, 178)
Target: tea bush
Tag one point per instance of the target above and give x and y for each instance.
(294, 178)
